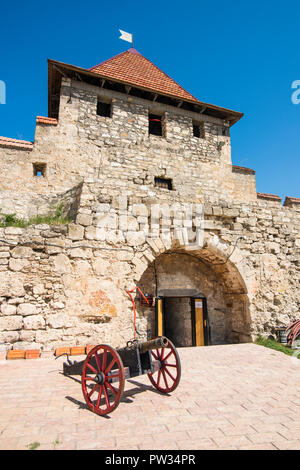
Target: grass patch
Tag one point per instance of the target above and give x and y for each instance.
(11, 220)
(55, 443)
(273, 344)
(33, 445)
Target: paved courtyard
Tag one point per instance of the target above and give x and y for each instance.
(230, 397)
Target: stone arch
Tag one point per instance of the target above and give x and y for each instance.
(216, 270)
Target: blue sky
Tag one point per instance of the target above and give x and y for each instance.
(240, 55)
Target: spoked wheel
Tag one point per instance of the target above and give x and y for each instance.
(167, 378)
(102, 379)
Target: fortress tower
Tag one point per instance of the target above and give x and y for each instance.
(139, 166)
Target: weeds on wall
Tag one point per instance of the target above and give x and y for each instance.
(11, 220)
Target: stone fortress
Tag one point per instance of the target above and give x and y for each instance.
(124, 148)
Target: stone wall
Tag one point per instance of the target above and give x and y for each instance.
(83, 146)
(67, 285)
(30, 204)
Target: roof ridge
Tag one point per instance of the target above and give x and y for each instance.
(168, 76)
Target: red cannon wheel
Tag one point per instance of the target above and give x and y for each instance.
(102, 379)
(167, 378)
(292, 332)
(290, 328)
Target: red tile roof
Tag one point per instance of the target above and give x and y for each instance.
(243, 168)
(291, 200)
(46, 120)
(269, 196)
(134, 69)
(15, 143)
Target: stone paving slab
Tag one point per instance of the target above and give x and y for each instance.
(230, 397)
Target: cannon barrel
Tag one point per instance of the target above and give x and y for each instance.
(160, 342)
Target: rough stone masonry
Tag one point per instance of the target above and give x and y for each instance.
(67, 284)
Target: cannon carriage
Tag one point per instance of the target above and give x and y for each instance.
(105, 369)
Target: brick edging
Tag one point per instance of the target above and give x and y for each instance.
(37, 353)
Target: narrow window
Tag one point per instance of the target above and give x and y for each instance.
(155, 125)
(165, 183)
(39, 169)
(198, 130)
(103, 109)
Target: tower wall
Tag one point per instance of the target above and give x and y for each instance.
(65, 285)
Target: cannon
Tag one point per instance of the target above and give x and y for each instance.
(105, 369)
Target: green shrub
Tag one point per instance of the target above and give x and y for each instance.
(10, 220)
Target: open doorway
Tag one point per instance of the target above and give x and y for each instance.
(178, 328)
(183, 320)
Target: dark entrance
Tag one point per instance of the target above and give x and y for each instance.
(183, 320)
(178, 327)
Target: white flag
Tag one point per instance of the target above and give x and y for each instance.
(125, 36)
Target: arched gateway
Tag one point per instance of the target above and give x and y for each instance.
(200, 296)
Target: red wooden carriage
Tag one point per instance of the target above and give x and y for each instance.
(105, 369)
